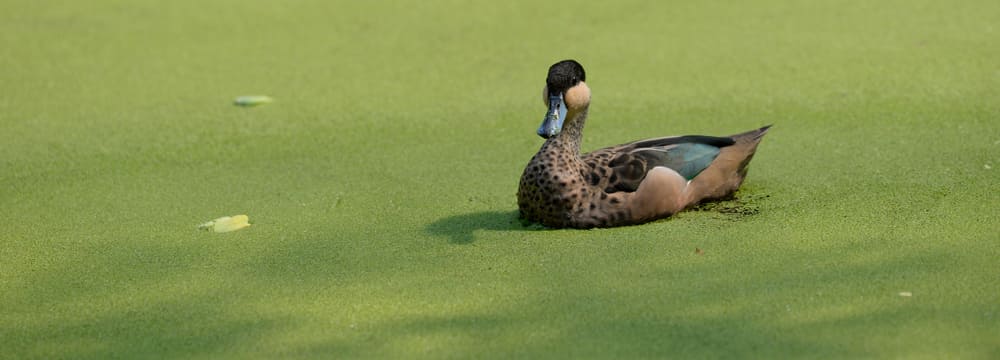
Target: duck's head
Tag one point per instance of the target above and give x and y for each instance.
(565, 94)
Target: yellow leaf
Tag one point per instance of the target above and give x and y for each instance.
(227, 223)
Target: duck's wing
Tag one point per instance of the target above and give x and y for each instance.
(623, 167)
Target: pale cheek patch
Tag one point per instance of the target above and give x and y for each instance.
(577, 97)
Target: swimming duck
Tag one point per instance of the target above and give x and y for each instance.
(627, 184)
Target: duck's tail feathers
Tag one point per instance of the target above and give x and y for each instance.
(752, 135)
(726, 173)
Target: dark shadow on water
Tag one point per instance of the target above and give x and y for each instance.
(735, 208)
(460, 229)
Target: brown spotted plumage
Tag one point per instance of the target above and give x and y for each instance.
(626, 184)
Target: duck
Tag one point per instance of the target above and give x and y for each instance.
(627, 184)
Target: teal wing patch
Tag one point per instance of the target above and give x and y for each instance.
(687, 159)
(687, 155)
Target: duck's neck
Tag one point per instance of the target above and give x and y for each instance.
(572, 133)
